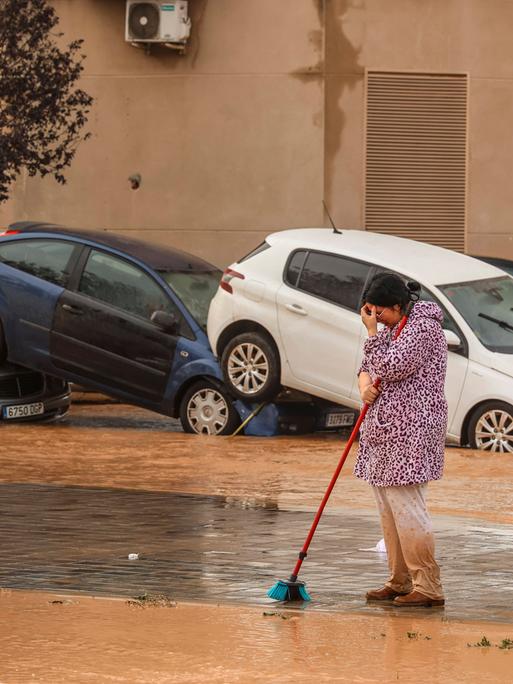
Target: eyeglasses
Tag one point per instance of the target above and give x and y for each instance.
(378, 315)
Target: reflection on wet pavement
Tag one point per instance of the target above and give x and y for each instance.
(211, 548)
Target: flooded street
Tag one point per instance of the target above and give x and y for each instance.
(215, 522)
(92, 640)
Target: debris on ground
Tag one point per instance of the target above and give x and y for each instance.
(152, 600)
(484, 643)
(416, 635)
(505, 644)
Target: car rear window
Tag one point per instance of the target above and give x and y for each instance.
(45, 259)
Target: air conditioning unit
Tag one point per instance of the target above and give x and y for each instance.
(158, 22)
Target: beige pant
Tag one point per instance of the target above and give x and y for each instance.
(409, 540)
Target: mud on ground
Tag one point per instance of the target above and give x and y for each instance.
(113, 453)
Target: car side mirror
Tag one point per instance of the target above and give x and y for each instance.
(168, 322)
(453, 341)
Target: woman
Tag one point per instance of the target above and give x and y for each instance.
(402, 437)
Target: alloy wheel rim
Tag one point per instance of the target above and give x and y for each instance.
(207, 412)
(494, 431)
(248, 368)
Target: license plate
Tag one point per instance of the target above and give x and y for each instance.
(24, 410)
(339, 419)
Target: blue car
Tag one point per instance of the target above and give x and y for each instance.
(118, 315)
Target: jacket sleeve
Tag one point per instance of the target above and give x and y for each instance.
(402, 357)
(364, 366)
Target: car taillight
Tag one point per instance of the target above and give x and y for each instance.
(227, 277)
(9, 232)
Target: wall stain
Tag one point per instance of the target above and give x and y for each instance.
(343, 76)
(316, 38)
(309, 74)
(197, 11)
(319, 7)
(335, 70)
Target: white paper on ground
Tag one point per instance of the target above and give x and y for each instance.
(379, 548)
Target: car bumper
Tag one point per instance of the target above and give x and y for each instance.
(54, 408)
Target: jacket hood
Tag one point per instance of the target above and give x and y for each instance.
(427, 310)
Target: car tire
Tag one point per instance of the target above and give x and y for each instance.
(3, 345)
(490, 427)
(251, 367)
(206, 409)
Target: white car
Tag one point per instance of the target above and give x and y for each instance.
(287, 315)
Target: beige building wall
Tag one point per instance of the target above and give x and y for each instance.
(228, 139)
(264, 118)
(447, 36)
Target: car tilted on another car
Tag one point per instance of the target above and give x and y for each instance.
(288, 314)
(124, 317)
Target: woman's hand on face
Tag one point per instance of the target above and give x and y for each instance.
(369, 394)
(369, 319)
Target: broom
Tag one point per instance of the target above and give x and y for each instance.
(292, 589)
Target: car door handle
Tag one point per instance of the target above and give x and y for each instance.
(295, 308)
(75, 310)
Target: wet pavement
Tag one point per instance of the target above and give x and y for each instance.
(61, 533)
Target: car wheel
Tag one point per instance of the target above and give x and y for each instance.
(251, 367)
(3, 345)
(208, 410)
(491, 427)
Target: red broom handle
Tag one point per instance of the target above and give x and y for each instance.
(363, 413)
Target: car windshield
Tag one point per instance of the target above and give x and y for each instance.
(195, 289)
(487, 307)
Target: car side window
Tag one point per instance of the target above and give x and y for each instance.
(335, 278)
(124, 286)
(45, 259)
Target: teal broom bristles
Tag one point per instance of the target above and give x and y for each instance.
(289, 591)
(279, 591)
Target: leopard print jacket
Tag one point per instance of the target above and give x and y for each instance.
(403, 435)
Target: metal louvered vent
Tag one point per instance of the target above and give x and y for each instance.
(416, 156)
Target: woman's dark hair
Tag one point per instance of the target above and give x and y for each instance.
(387, 289)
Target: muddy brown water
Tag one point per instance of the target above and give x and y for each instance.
(103, 451)
(117, 446)
(60, 639)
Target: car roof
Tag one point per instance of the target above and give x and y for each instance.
(417, 260)
(159, 257)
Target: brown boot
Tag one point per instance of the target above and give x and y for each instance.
(383, 594)
(417, 600)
